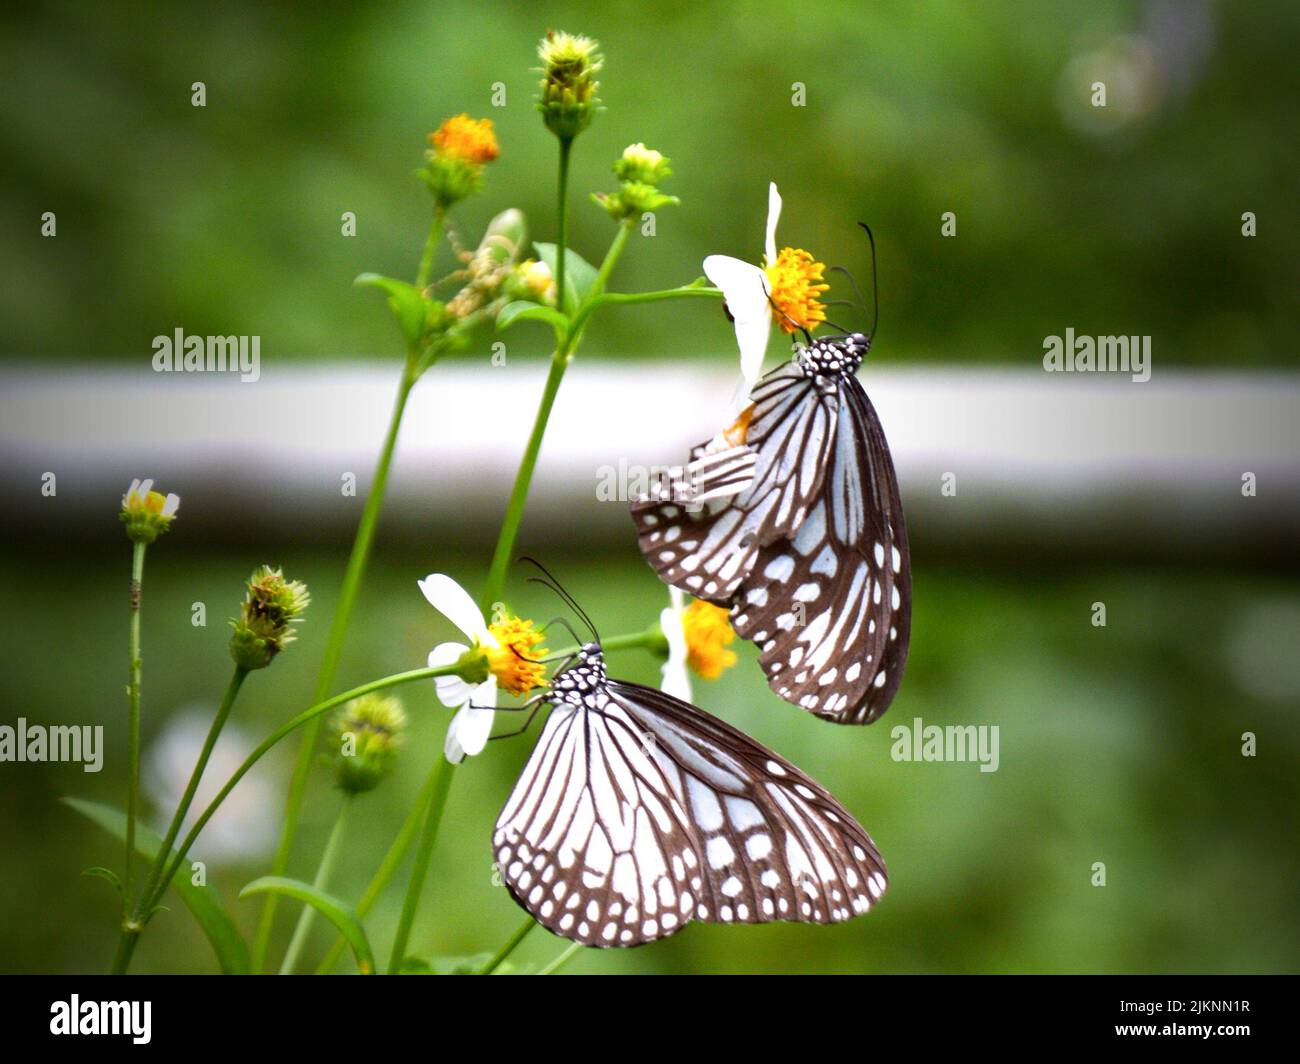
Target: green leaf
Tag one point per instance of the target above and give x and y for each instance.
(580, 274)
(108, 874)
(407, 303)
(337, 912)
(203, 902)
(526, 310)
(458, 965)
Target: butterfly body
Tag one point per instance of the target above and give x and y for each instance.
(638, 813)
(811, 557)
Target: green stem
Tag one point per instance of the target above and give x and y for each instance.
(329, 664)
(430, 246)
(566, 145)
(323, 872)
(432, 821)
(509, 947)
(561, 960)
(134, 927)
(651, 638)
(266, 744)
(389, 865)
(133, 720)
(603, 298)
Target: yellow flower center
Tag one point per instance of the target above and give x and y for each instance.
(708, 634)
(514, 662)
(468, 138)
(796, 291)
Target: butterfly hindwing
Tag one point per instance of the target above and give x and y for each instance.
(832, 612)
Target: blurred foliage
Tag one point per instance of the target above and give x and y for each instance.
(1120, 745)
(226, 219)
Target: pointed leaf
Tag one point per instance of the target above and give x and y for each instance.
(203, 902)
(525, 310)
(406, 302)
(337, 912)
(105, 873)
(581, 274)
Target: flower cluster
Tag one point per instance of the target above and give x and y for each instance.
(569, 67)
(366, 733)
(264, 626)
(640, 169)
(146, 513)
(459, 150)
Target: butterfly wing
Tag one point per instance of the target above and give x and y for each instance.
(708, 551)
(832, 611)
(644, 813)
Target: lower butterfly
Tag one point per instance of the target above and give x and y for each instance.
(638, 813)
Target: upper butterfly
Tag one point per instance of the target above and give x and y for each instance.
(810, 556)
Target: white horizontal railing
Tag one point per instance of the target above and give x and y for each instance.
(1035, 457)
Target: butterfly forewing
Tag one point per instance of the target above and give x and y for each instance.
(710, 550)
(638, 813)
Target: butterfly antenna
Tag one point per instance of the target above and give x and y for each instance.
(875, 290)
(555, 586)
(803, 329)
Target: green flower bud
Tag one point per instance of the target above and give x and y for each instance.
(643, 165)
(264, 625)
(632, 200)
(568, 99)
(146, 513)
(366, 734)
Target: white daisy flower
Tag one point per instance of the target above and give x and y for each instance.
(789, 279)
(475, 703)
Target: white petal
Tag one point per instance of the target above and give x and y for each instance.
(773, 216)
(452, 690)
(676, 681)
(745, 288)
(453, 602)
(170, 504)
(670, 620)
(470, 728)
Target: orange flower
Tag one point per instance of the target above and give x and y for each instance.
(466, 138)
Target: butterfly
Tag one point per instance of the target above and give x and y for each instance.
(811, 556)
(638, 813)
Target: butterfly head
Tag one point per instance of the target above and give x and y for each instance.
(837, 356)
(581, 680)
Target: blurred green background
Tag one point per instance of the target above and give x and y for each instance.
(1119, 745)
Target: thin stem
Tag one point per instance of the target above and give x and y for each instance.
(329, 664)
(133, 720)
(561, 960)
(327, 860)
(430, 246)
(389, 865)
(643, 297)
(182, 810)
(266, 744)
(566, 145)
(509, 947)
(411, 905)
(523, 478)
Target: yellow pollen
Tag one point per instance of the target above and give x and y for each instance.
(514, 662)
(468, 138)
(795, 278)
(708, 633)
(154, 502)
